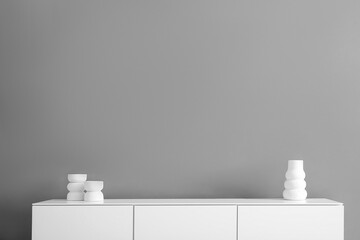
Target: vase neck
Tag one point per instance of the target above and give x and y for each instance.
(295, 164)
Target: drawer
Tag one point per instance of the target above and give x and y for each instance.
(82, 222)
(185, 223)
(291, 222)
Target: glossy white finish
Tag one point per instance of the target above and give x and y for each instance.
(82, 223)
(185, 222)
(76, 178)
(291, 223)
(194, 201)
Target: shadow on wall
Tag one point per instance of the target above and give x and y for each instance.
(16, 213)
(17, 218)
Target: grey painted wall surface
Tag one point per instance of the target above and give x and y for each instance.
(165, 99)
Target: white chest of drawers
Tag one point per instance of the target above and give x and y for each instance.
(186, 219)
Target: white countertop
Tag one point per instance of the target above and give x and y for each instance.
(195, 201)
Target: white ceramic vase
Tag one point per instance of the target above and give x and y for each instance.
(295, 181)
(76, 187)
(93, 191)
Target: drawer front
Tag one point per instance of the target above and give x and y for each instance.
(82, 223)
(185, 222)
(291, 223)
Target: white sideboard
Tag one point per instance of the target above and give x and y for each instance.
(186, 219)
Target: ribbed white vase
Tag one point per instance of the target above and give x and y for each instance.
(295, 181)
(76, 187)
(93, 191)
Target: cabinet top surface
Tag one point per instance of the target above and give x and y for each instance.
(193, 201)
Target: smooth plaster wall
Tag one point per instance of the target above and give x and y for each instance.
(164, 99)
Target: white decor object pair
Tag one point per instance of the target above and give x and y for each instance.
(78, 185)
(295, 181)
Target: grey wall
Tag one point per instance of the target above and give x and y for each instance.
(164, 99)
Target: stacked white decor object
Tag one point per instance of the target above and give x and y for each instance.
(295, 181)
(93, 191)
(76, 187)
